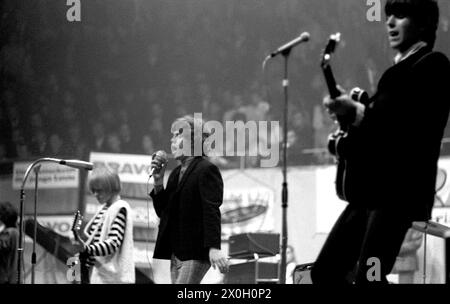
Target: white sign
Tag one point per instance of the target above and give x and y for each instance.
(60, 224)
(442, 198)
(247, 210)
(51, 176)
(131, 168)
(328, 205)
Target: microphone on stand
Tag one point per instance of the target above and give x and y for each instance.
(74, 163)
(285, 50)
(162, 155)
(304, 37)
(77, 164)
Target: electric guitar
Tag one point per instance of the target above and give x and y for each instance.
(338, 141)
(76, 226)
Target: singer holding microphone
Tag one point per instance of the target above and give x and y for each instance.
(188, 207)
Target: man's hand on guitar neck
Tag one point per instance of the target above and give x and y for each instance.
(344, 106)
(79, 247)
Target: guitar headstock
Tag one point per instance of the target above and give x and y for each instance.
(77, 221)
(330, 48)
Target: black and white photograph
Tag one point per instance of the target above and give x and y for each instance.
(237, 145)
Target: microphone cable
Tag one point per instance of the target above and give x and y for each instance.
(267, 92)
(148, 231)
(266, 81)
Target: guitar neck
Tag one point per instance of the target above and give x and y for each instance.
(331, 82)
(77, 237)
(334, 92)
(76, 225)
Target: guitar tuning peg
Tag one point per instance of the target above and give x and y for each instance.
(336, 37)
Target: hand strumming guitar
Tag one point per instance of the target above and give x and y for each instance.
(344, 108)
(78, 246)
(342, 105)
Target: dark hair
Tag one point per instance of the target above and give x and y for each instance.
(104, 179)
(424, 12)
(8, 214)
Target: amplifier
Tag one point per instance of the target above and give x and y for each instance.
(243, 246)
(252, 273)
(302, 274)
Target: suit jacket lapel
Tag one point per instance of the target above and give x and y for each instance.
(172, 183)
(188, 171)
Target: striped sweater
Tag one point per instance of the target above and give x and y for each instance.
(115, 236)
(118, 267)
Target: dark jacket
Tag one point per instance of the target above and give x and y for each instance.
(9, 239)
(392, 162)
(189, 212)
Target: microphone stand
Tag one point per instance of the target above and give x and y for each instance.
(284, 194)
(22, 198)
(33, 255)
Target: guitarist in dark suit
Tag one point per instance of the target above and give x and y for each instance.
(189, 230)
(391, 152)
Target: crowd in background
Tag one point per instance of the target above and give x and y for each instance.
(116, 80)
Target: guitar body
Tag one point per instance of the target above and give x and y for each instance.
(84, 269)
(83, 256)
(336, 146)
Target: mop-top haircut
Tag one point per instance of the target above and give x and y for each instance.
(425, 13)
(104, 179)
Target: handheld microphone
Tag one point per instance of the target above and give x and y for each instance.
(77, 164)
(162, 155)
(302, 38)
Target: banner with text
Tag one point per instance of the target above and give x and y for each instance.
(51, 176)
(131, 168)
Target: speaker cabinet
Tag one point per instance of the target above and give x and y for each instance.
(253, 272)
(243, 246)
